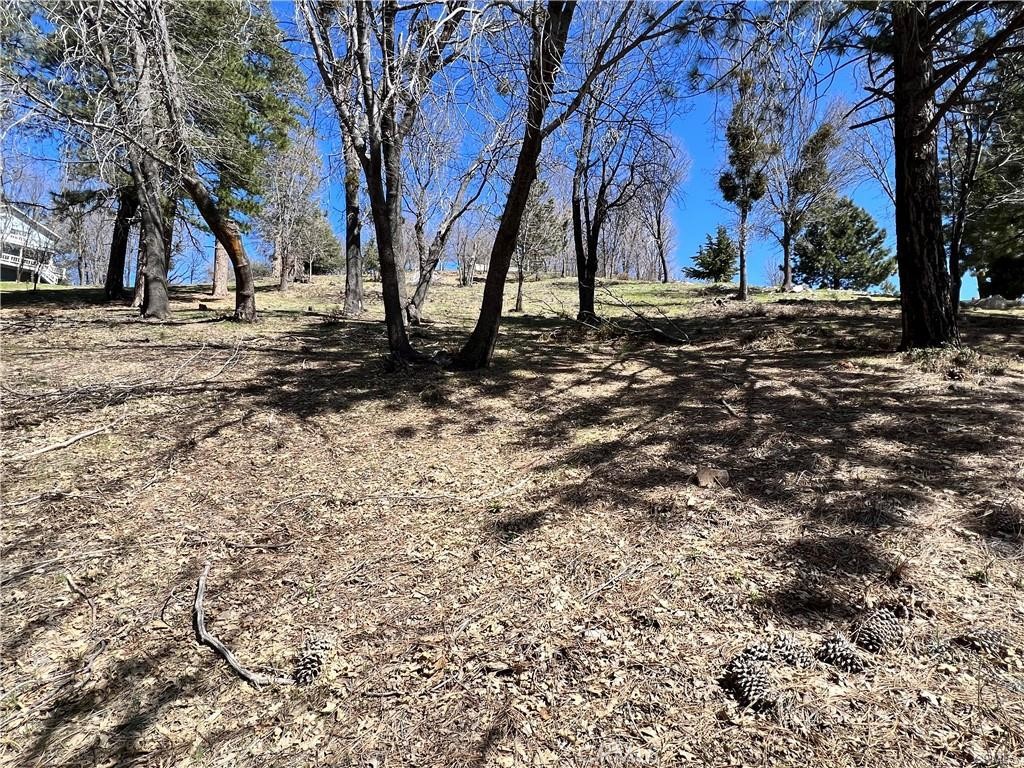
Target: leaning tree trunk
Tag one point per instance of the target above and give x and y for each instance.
(743, 293)
(220, 270)
(928, 317)
(226, 231)
(546, 60)
(127, 205)
(414, 307)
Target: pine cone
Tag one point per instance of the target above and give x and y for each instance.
(756, 652)
(311, 660)
(986, 640)
(882, 629)
(747, 680)
(791, 652)
(837, 652)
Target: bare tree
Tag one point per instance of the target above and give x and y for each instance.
(441, 189)
(172, 131)
(810, 164)
(393, 53)
(665, 174)
(625, 28)
(293, 181)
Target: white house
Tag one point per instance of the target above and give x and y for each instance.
(27, 248)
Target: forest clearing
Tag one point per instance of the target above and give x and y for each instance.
(538, 563)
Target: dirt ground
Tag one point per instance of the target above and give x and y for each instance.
(514, 567)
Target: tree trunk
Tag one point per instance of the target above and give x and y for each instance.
(155, 296)
(353, 247)
(519, 290)
(127, 205)
(226, 231)
(139, 292)
(928, 318)
(398, 339)
(414, 308)
(220, 270)
(287, 269)
(787, 258)
(743, 293)
(584, 239)
(546, 60)
(276, 266)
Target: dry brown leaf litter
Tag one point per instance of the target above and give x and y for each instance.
(517, 568)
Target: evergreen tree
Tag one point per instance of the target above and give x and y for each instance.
(843, 248)
(992, 218)
(715, 260)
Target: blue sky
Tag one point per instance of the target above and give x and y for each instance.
(698, 210)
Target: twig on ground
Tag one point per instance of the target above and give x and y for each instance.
(27, 569)
(63, 443)
(635, 569)
(269, 545)
(33, 684)
(310, 495)
(253, 678)
(78, 591)
(732, 411)
(455, 497)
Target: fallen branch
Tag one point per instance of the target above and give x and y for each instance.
(63, 443)
(253, 678)
(657, 332)
(628, 570)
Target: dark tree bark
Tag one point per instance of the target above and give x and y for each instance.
(288, 265)
(156, 231)
(662, 254)
(127, 205)
(520, 277)
(220, 270)
(787, 258)
(353, 225)
(928, 317)
(139, 290)
(584, 238)
(744, 292)
(548, 48)
(226, 231)
(414, 307)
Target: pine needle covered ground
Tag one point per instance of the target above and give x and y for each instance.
(512, 567)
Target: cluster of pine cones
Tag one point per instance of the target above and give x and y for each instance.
(747, 678)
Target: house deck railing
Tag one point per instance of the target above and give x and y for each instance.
(47, 272)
